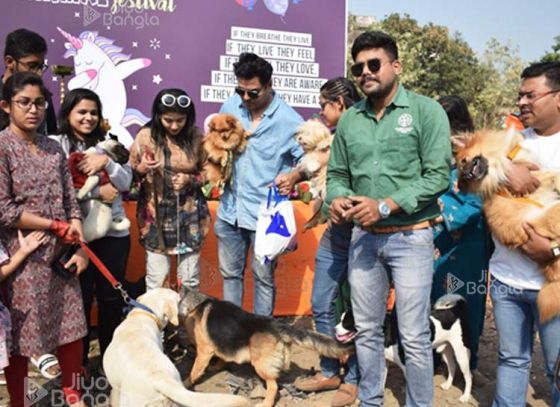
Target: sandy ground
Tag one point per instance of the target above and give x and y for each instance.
(303, 361)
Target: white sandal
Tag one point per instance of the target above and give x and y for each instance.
(44, 363)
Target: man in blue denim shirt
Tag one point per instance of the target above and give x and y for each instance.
(271, 154)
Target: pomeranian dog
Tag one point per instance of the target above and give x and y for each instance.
(225, 139)
(483, 160)
(98, 215)
(315, 139)
(222, 329)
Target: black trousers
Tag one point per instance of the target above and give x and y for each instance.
(113, 252)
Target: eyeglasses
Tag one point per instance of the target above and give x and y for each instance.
(25, 104)
(252, 93)
(169, 100)
(373, 65)
(533, 97)
(34, 66)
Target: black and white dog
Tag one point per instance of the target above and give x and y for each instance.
(449, 332)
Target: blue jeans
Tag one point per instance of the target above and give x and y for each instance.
(331, 269)
(406, 258)
(517, 317)
(233, 247)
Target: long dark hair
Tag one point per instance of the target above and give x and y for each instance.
(15, 84)
(458, 114)
(340, 86)
(185, 137)
(71, 99)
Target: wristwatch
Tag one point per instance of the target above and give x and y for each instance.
(555, 248)
(384, 209)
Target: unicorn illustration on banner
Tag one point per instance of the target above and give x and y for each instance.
(100, 66)
(278, 7)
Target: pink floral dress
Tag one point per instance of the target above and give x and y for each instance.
(5, 323)
(46, 309)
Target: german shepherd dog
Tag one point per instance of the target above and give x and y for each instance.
(483, 160)
(449, 333)
(219, 328)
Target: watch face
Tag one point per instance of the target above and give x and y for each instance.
(384, 210)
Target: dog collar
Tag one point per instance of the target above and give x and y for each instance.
(522, 199)
(138, 311)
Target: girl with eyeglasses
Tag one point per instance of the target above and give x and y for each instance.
(81, 125)
(36, 193)
(173, 216)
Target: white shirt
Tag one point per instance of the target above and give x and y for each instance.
(512, 267)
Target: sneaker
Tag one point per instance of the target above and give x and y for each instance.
(345, 395)
(317, 382)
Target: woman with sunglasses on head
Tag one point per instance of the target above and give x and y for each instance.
(173, 216)
(331, 265)
(36, 193)
(81, 126)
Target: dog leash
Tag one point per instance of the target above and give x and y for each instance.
(130, 302)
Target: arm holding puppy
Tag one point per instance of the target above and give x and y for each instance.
(539, 248)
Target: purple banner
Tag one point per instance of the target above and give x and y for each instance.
(127, 50)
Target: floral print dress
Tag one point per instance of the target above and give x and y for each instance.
(167, 220)
(5, 322)
(46, 309)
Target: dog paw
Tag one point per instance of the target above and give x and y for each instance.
(464, 398)
(445, 385)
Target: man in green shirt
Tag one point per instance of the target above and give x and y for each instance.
(389, 162)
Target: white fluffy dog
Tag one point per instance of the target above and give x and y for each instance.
(138, 370)
(315, 139)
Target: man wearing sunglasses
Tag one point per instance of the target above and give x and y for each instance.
(271, 153)
(516, 278)
(25, 51)
(389, 162)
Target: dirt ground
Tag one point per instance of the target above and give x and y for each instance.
(303, 361)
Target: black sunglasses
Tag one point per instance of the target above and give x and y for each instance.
(373, 65)
(253, 93)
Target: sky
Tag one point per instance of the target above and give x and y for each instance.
(531, 26)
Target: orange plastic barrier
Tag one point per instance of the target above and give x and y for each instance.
(294, 273)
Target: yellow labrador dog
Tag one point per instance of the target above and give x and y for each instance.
(138, 370)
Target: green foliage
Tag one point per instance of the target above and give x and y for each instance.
(553, 56)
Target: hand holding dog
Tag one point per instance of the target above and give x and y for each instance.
(520, 181)
(338, 207)
(108, 193)
(364, 211)
(286, 182)
(93, 163)
(537, 247)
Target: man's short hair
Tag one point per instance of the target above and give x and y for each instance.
(22, 42)
(550, 70)
(251, 65)
(375, 39)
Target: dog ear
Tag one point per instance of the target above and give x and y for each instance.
(231, 121)
(171, 311)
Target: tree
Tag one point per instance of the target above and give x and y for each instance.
(553, 56)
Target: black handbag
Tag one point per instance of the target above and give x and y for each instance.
(61, 258)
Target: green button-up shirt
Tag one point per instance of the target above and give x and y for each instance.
(405, 156)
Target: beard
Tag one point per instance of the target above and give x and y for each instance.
(379, 92)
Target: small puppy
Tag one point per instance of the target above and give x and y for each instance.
(225, 139)
(450, 337)
(219, 328)
(315, 138)
(98, 220)
(139, 372)
(483, 161)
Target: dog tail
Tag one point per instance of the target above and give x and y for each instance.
(548, 300)
(322, 344)
(179, 394)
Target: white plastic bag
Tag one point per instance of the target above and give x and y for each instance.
(276, 227)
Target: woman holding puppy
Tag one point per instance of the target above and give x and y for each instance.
(331, 265)
(81, 126)
(173, 216)
(36, 193)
